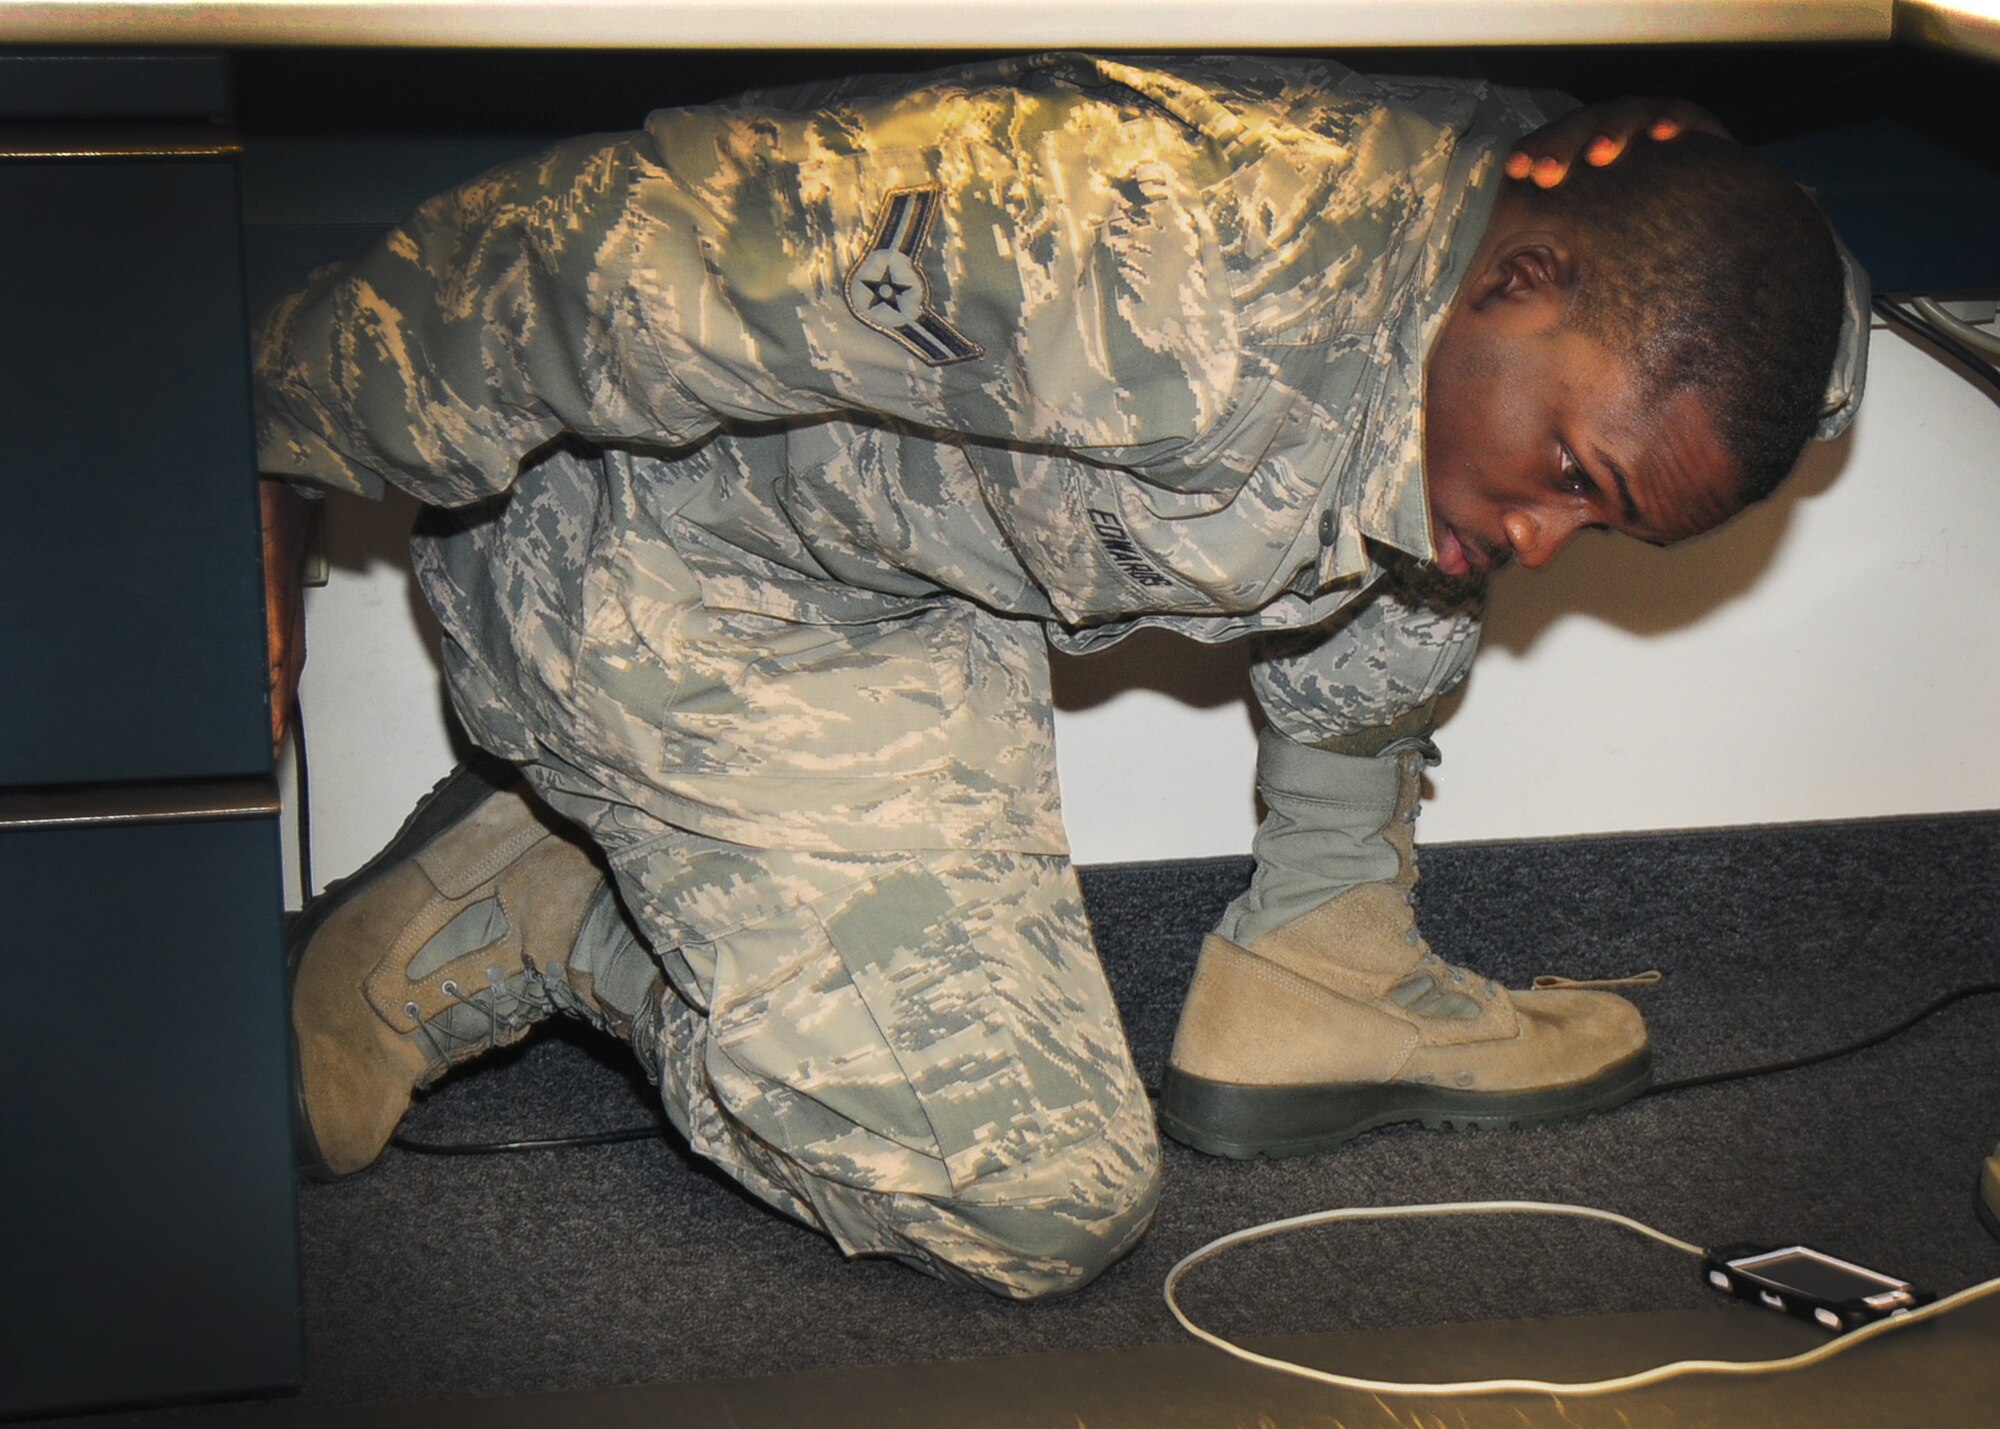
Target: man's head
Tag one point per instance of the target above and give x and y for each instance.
(1644, 348)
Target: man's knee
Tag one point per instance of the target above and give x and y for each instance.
(1054, 1224)
(923, 1058)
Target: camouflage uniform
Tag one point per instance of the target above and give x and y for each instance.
(781, 432)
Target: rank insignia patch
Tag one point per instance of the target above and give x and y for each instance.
(886, 289)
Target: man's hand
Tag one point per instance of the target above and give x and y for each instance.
(1599, 133)
(286, 520)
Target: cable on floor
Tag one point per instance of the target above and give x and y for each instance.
(1675, 1370)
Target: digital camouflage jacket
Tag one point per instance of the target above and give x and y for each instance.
(1101, 342)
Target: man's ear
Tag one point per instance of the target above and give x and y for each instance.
(1535, 269)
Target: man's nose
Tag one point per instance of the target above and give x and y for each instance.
(1537, 536)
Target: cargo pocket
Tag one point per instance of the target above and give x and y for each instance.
(878, 1037)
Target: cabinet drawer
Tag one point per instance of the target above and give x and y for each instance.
(150, 1239)
(130, 582)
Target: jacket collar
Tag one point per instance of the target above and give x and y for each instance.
(1394, 505)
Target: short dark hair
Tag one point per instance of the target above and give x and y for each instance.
(1719, 275)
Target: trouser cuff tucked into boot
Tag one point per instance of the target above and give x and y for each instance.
(1332, 821)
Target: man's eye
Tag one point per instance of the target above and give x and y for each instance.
(1570, 477)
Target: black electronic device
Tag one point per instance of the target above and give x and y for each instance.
(1798, 1280)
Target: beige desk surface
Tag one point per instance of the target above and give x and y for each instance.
(1971, 27)
(995, 24)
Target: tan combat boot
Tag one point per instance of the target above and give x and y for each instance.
(1342, 1019)
(433, 952)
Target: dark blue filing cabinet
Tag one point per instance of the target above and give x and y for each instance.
(149, 1238)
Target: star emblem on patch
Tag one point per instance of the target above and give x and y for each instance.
(890, 281)
(886, 287)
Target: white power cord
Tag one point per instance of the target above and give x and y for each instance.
(1533, 1386)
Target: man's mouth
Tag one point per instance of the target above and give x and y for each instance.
(1451, 553)
(1457, 556)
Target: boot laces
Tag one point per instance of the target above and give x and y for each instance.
(1431, 759)
(504, 1006)
(1451, 972)
(1456, 975)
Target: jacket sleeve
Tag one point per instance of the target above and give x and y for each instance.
(1007, 266)
(1397, 650)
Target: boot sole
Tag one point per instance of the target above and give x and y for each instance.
(449, 800)
(1246, 1122)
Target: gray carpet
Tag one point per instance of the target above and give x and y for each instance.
(433, 1277)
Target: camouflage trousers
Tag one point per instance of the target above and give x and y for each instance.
(880, 1008)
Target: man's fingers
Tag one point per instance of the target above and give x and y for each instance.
(1545, 155)
(1598, 134)
(1617, 123)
